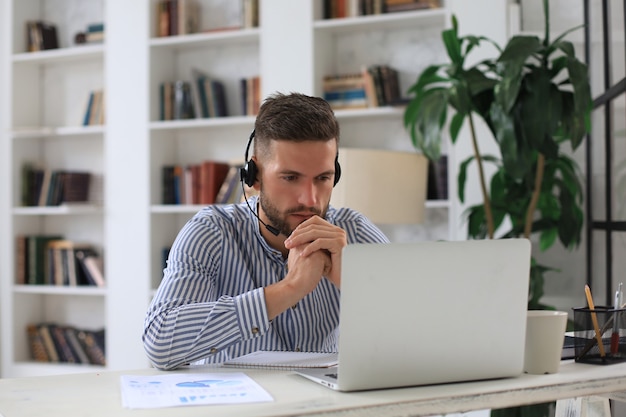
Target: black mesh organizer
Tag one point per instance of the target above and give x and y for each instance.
(610, 324)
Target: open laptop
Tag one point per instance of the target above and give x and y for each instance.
(430, 312)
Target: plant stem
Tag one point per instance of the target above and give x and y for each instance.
(483, 186)
(530, 211)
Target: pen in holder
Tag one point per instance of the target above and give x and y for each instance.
(606, 322)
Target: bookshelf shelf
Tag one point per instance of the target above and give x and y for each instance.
(20, 133)
(61, 55)
(206, 39)
(62, 210)
(60, 290)
(377, 112)
(399, 20)
(190, 124)
(176, 208)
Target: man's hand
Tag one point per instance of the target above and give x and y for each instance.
(304, 273)
(315, 235)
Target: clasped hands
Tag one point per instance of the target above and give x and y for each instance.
(317, 245)
(315, 248)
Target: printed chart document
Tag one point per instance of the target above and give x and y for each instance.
(158, 391)
(284, 360)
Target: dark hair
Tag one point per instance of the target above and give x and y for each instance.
(294, 117)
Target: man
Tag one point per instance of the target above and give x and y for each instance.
(264, 274)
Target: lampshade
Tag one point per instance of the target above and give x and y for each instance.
(389, 187)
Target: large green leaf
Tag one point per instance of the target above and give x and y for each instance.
(511, 61)
(453, 46)
(504, 131)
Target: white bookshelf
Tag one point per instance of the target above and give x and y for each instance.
(41, 116)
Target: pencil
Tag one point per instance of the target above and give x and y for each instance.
(594, 320)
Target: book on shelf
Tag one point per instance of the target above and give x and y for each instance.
(212, 175)
(41, 35)
(250, 14)
(182, 106)
(36, 343)
(95, 109)
(250, 91)
(177, 17)
(48, 342)
(92, 267)
(51, 342)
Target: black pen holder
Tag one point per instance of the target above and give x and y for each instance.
(610, 323)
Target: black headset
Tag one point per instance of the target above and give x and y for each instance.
(249, 171)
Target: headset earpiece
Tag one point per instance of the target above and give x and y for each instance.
(337, 170)
(249, 171)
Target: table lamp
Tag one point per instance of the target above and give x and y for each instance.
(389, 187)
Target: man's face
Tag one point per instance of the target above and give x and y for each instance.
(296, 182)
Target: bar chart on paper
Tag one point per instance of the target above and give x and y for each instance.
(159, 391)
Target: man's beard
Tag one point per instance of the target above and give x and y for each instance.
(278, 220)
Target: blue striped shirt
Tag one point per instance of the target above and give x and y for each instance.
(210, 305)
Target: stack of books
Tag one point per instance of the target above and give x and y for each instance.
(177, 17)
(374, 86)
(50, 342)
(53, 260)
(335, 9)
(40, 36)
(52, 187)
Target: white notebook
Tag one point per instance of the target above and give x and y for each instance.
(284, 360)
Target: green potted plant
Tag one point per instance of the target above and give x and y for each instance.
(535, 99)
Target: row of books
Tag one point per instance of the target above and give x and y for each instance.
(334, 9)
(51, 187)
(209, 182)
(93, 34)
(177, 17)
(94, 111)
(205, 97)
(49, 259)
(40, 36)
(182, 17)
(376, 85)
(50, 342)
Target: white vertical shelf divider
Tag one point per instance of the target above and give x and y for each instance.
(127, 186)
(6, 247)
(287, 59)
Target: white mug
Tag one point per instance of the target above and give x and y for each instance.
(545, 332)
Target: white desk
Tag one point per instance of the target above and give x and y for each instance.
(98, 394)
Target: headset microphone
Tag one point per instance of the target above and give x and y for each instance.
(247, 176)
(271, 229)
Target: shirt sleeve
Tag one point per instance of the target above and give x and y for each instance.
(187, 320)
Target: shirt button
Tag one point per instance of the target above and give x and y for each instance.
(297, 349)
(255, 330)
(293, 307)
(213, 351)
